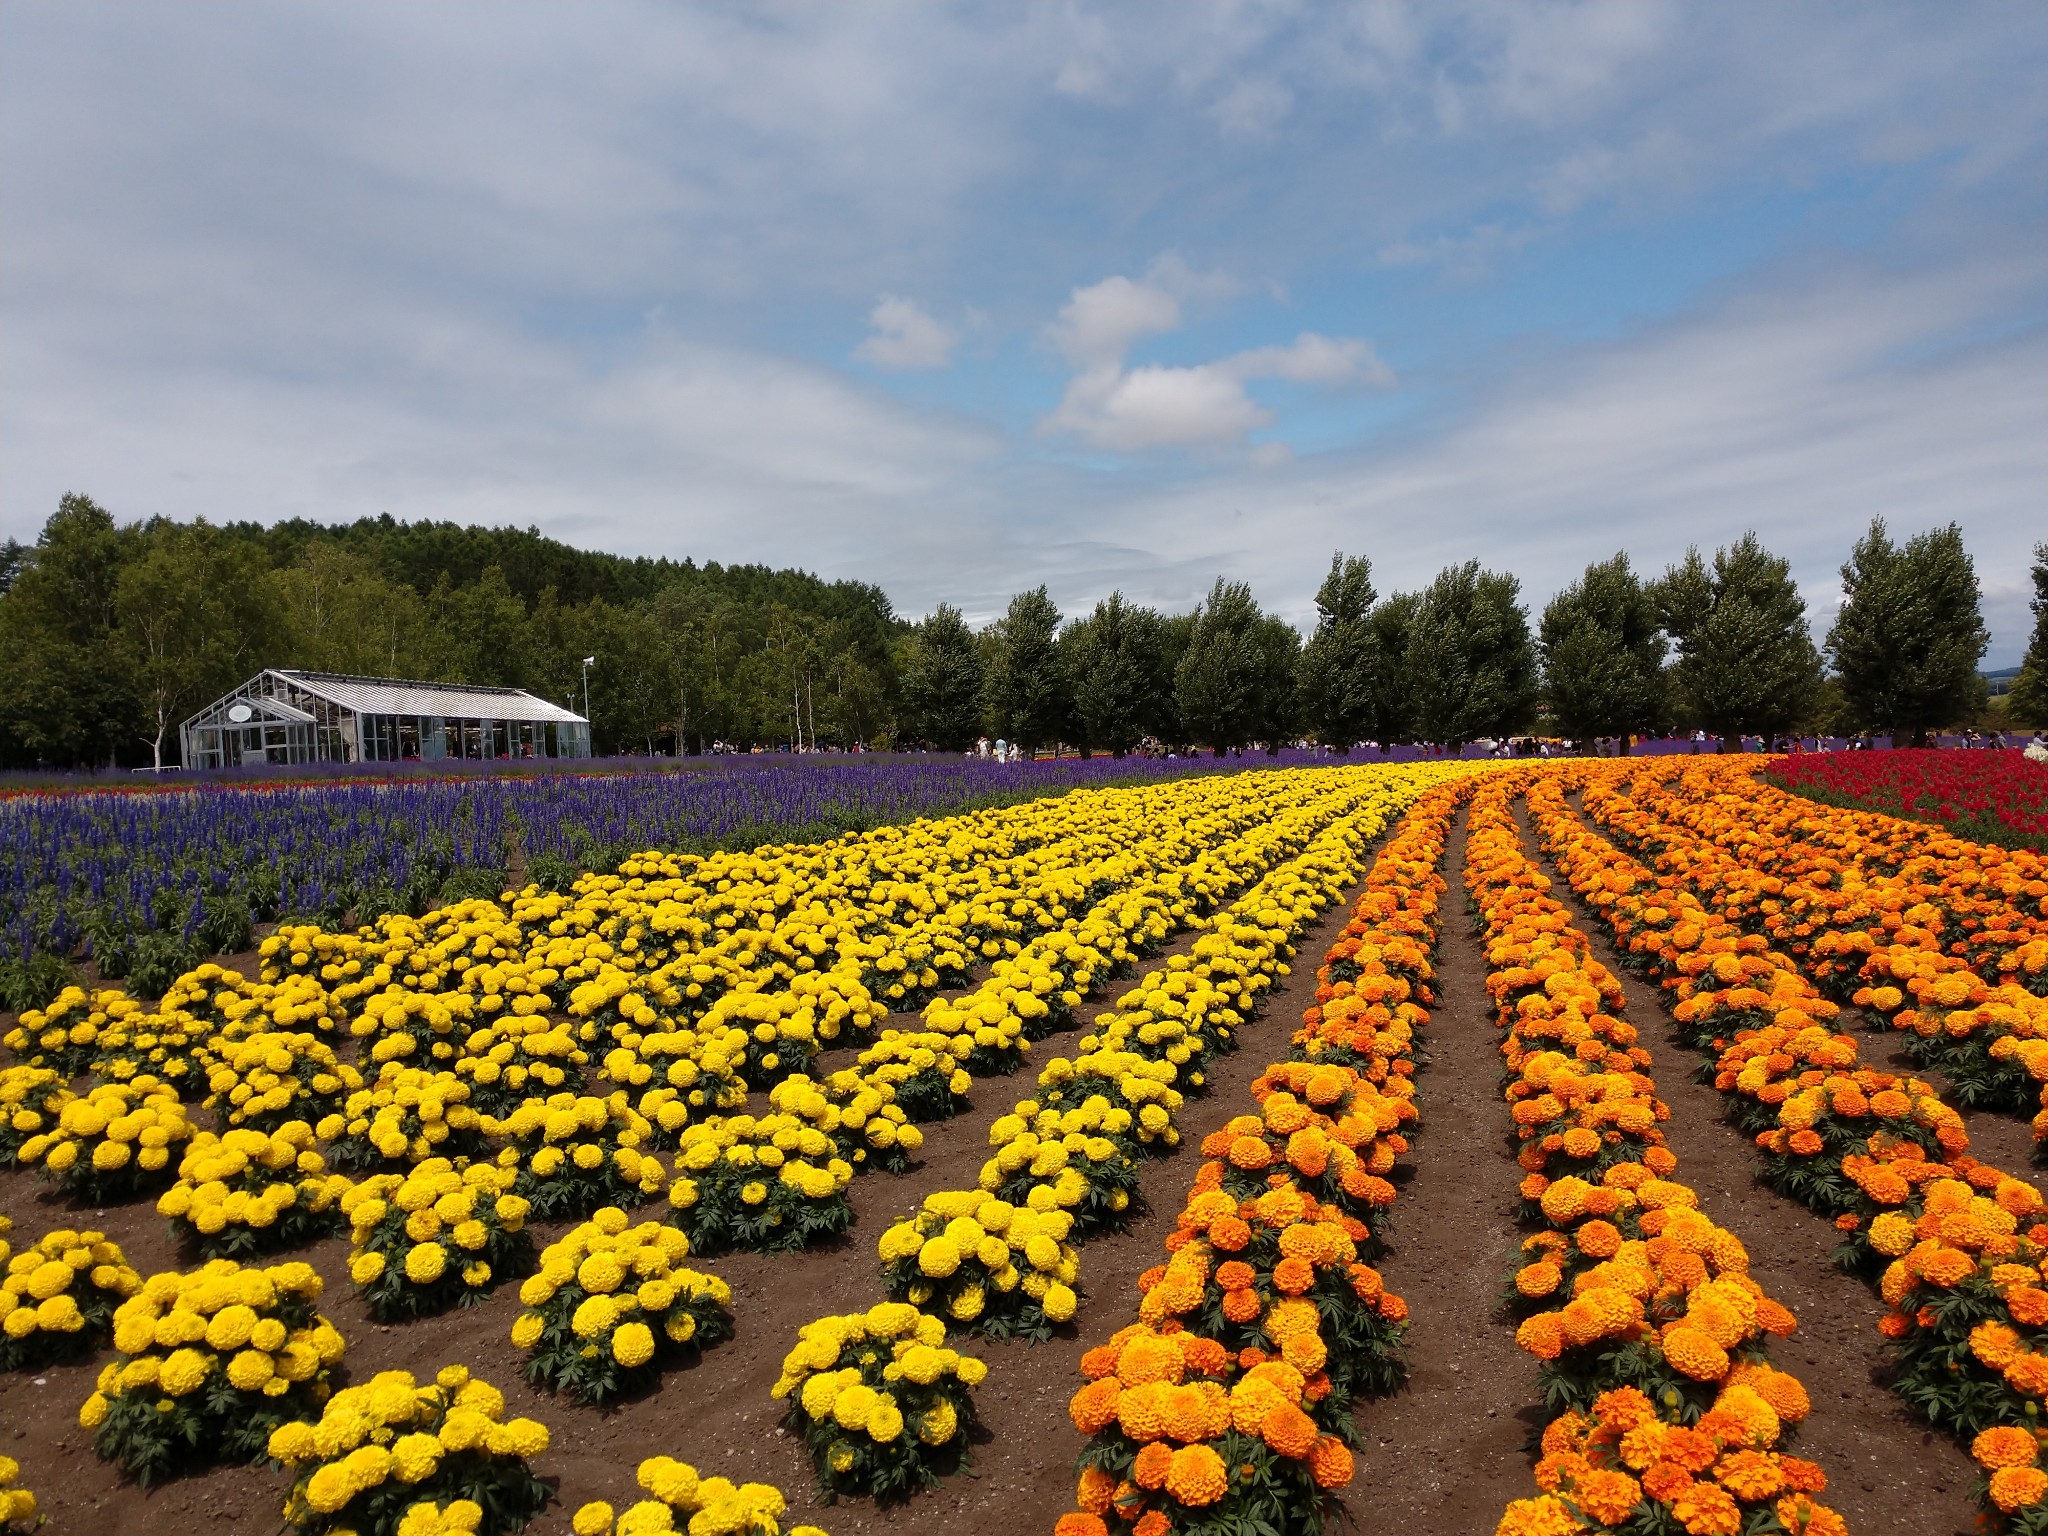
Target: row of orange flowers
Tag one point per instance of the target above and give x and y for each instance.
(1653, 1337)
(1227, 1403)
(1945, 938)
(1959, 1249)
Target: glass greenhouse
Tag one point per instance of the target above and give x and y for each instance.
(283, 716)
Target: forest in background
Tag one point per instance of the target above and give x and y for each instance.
(114, 633)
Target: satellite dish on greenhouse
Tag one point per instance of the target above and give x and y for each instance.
(241, 714)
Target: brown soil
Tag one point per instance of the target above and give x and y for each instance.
(715, 1413)
(1444, 1457)
(1888, 1473)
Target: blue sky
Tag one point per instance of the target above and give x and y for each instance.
(962, 299)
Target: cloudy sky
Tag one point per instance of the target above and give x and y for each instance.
(962, 299)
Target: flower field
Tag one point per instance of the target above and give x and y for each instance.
(141, 882)
(1997, 797)
(1154, 1158)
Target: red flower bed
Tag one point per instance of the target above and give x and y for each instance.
(1989, 797)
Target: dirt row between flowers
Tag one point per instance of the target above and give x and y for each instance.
(716, 1411)
(1888, 1473)
(1445, 1455)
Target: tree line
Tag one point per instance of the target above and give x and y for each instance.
(115, 633)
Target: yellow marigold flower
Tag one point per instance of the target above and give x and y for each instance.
(633, 1345)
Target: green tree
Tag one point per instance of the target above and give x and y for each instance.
(942, 683)
(480, 632)
(67, 690)
(1028, 693)
(1277, 699)
(1219, 681)
(1911, 631)
(1603, 654)
(339, 614)
(196, 616)
(1113, 659)
(1746, 662)
(1340, 667)
(1393, 707)
(1470, 667)
(2028, 704)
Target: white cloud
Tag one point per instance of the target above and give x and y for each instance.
(1100, 322)
(1111, 406)
(905, 337)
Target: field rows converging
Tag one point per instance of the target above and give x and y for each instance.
(1229, 1155)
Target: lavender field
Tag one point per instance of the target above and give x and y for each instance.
(146, 883)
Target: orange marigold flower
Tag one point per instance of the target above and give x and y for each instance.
(1623, 1408)
(1804, 1476)
(1250, 1152)
(1198, 1476)
(1547, 1516)
(1229, 1233)
(1150, 1358)
(1751, 1475)
(1080, 1525)
(2028, 1304)
(1805, 1143)
(1538, 1279)
(1542, 1335)
(1097, 1489)
(1330, 1463)
(1241, 1306)
(1601, 1239)
(1152, 1523)
(1293, 1276)
(1693, 1353)
(1690, 1449)
(1393, 1308)
(2006, 1446)
(1995, 1344)
(1153, 1462)
(1142, 1411)
(1289, 1431)
(1205, 1357)
(1665, 1481)
(1705, 1509)
(1095, 1405)
(1607, 1496)
(1235, 1275)
(2017, 1487)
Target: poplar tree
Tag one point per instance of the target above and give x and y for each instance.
(942, 684)
(1340, 665)
(2028, 704)
(1746, 661)
(1113, 663)
(1220, 681)
(1910, 632)
(1027, 685)
(1603, 654)
(1470, 665)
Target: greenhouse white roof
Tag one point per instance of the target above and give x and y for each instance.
(461, 701)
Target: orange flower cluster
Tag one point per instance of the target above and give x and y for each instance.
(1713, 1476)
(1798, 1087)
(1961, 1246)
(1624, 1246)
(1233, 1387)
(1175, 1426)
(2015, 1487)
(1945, 938)
(1322, 1127)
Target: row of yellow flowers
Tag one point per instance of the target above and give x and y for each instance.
(1662, 1405)
(1958, 1247)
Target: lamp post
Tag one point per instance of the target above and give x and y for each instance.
(588, 663)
